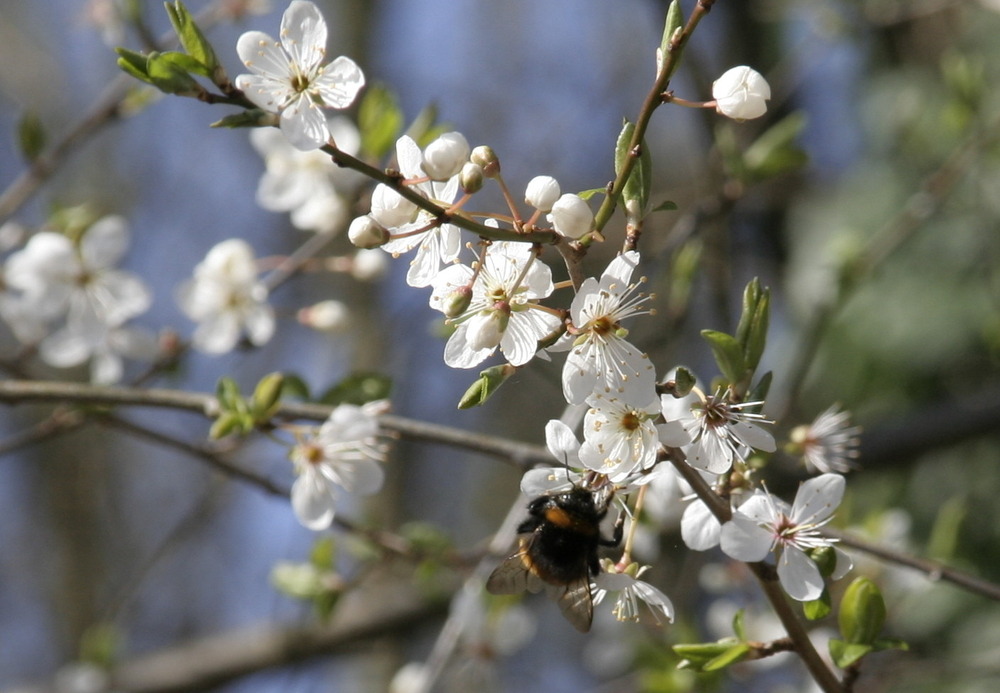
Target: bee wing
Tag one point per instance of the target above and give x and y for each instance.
(514, 575)
(576, 602)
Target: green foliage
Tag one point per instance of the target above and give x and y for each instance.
(486, 385)
(359, 388)
(380, 121)
(861, 618)
(635, 193)
(194, 42)
(239, 415)
(776, 150)
(30, 136)
(738, 356)
(674, 21)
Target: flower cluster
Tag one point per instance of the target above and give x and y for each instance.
(62, 293)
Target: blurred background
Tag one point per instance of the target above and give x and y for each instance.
(870, 206)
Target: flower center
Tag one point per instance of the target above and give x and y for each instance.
(630, 421)
(602, 325)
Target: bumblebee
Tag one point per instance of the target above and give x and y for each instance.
(557, 552)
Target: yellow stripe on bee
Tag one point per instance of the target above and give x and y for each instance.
(558, 517)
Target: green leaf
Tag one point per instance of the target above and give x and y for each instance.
(733, 655)
(739, 625)
(486, 385)
(267, 396)
(889, 644)
(665, 206)
(674, 21)
(227, 392)
(684, 382)
(323, 553)
(380, 121)
(697, 655)
(101, 644)
(250, 118)
(587, 194)
(295, 388)
(169, 73)
(759, 391)
(751, 296)
(133, 63)
(31, 136)
(635, 193)
(818, 608)
(359, 388)
(728, 354)
(862, 612)
(192, 39)
(845, 654)
(776, 151)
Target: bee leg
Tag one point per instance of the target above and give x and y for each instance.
(619, 531)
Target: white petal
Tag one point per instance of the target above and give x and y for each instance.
(673, 434)
(561, 442)
(458, 353)
(340, 83)
(700, 529)
(655, 599)
(263, 55)
(218, 335)
(844, 564)
(104, 243)
(753, 435)
(304, 124)
(708, 453)
(619, 271)
(409, 157)
(743, 539)
(799, 575)
(312, 500)
(363, 477)
(817, 498)
(303, 34)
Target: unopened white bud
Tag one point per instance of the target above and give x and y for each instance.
(571, 216)
(326, 316)
(487, 158)
(542, 192)
(365, 232)
(486, 329)
(445, 156)
(471, 179)
(391, 209)
(741, 93)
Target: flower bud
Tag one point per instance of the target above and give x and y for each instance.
(741, 93)
(471, 178)
(542, 192)
(326, 316)
(571, 216)
(457, 302)
(486, 329)
(365, 232)
(487, 158)
(445, 156)
(391, 209)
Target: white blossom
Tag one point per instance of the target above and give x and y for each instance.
(720, 431)
(415, 228)
(829, 443)
(501, 311)
(344, 453)
(225, 298)
(307, 184)
(288, 76)
(571, 216)
(763, 524)
(619, 437)
(630, 590)
(741, 93)
(600, 358)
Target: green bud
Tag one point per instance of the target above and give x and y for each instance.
(826, 558)
(169, 72)
(487, 158)
(229, 422)
(133, 63)
(862, 612)
(267, 395)
(471, 178)
(193, 41)
(458, 301)
(488, 382)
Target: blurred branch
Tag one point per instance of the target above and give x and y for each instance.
(197, 665)
(523, 455)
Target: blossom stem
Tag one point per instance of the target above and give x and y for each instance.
(669, 97)
(518, 223)
(633, 526)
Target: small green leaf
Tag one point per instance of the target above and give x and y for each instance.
(845, 654)
(684, 382)
(101, 644)
(486, 385)
(295, 388)
(227, 392)
(635, 193)
(380, 121)
(31, 136)
(169, 73)
(297, 580)
(665, 206)
(739, 625)
(133, 63)
(733, 655)
(229, 422)
(587, 194)
(728, 354)
(358, 388)
(323, 553)
(751, 296)
(696, 655)
(760, 390)
(674, 21)
(889, 644)
(818, 608)
(776, 151)
(267, 397)
(862, 612)
(250, 118)
(193, 41)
